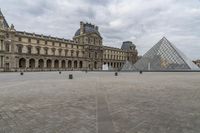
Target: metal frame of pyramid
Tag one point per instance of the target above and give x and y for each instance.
(163, 56)
(5, 24)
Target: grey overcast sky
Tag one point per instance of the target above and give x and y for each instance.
(144, 22)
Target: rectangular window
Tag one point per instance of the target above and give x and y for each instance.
(7, 48)
(1, 45)
(46, 51)
(29, 50)
(38, 41)
(38, 50)
(29, 40)
(72, 53)
(53, 50)
(60, 52)
(19, 49)
(19, 39)
(66, 52)
(77, 54)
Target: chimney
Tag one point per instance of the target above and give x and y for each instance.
(97, 28)
(81, 27)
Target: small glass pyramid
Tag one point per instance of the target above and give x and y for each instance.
(163, 56)
(128, 66)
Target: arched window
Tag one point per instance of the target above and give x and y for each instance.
(95, 65)
(49, 63)
(81, 64)
(63, 64)
(22, 63)
(31, 63)
(56, 64)
(69, 64)
(41, 63)
(75, 64)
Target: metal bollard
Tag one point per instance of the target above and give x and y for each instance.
(59, 72)
(21, 73)
(140, 72)
(70, 76)
(116, 74)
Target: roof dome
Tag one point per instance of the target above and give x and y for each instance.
(128, 45)
(88, 28)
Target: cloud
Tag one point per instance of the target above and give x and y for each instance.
(142, 21)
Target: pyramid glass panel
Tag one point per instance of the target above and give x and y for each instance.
(128, 66)
(164, 56)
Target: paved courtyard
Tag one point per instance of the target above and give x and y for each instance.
(99, 102)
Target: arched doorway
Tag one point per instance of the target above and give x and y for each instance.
(41, 63)
(22, 63)
(31, 63)
(48, 63)
(81, 64)
(69, 64)
(95, 65)
(56, 64)
(75, 64)
(63, 64)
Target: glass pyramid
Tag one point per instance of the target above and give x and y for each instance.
(128, 66)
(164, 56)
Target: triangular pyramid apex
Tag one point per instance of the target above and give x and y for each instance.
(164, 38)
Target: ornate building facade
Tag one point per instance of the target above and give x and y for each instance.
(197, 62)
(22, 51)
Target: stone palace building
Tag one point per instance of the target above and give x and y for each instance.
(22, 51)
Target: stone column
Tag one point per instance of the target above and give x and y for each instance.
(59, 63)
(45, 63)
(72, 64)
(78, 67)
(27, 63)
(0, 61)
(52, 63)
(1, 44)
(66, 64)
(3, 61)
(17, 63)
(85, 65)
(36, 63)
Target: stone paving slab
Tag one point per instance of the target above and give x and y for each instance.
(104, 120)
(48, 102)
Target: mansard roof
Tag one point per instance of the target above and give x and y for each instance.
(88, 28)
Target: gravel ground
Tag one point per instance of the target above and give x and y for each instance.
(48, 102)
